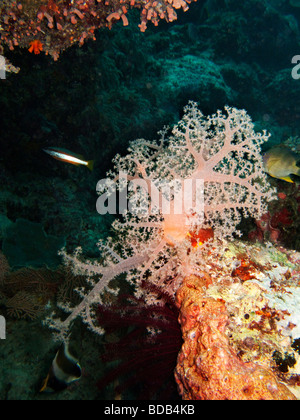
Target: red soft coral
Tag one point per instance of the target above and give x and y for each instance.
(35, 46)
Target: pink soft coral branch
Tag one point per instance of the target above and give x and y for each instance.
(224, 152)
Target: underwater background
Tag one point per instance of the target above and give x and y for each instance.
(93, 100)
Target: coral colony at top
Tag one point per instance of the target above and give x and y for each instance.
(237, 303)
(52, 26)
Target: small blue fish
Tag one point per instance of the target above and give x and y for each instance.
(70, 157)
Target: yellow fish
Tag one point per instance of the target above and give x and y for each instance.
(70, 157)
(282, 163)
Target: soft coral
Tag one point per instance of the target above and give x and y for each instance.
(35, 46)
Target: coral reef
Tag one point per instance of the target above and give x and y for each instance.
(190, 76)
(241, 325)
(54, 25)
(249, 299)
(122, 86)
(280, 224)
(207, 367)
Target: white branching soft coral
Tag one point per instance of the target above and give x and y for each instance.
(196, 184)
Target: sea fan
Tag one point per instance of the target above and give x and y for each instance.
(147, 348)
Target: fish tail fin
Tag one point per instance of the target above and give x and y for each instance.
(44, 384)
(288, 178)
(90, 165)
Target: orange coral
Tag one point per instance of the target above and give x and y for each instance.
(61, 23)
(35, 46)
(201, 236)
(244, 271)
